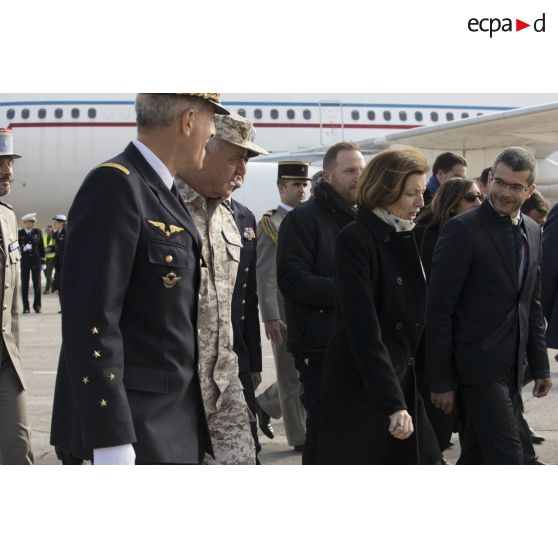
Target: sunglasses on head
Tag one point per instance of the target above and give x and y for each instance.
(470, 197)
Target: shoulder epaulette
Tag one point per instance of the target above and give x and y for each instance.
(121, 168)
(7, 205)
(266, 228)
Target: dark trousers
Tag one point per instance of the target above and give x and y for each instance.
(35, 273)
(495, 431)
(48, 274)
(250, 396)
(310, 370)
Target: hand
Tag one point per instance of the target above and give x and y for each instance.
(256, 379)
(443, 401)
(43, 267)
(27, 247)
(542, 387)
(274, 329)
(401, 425)
(116, 455)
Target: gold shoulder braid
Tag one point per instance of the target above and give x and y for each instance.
(116, 166)
(268, 229)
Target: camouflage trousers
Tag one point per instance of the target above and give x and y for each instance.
(228, 418)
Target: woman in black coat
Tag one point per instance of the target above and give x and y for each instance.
(371, 410)
(453, 197)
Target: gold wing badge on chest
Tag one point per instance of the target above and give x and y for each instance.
(170, 280)
(167, 230)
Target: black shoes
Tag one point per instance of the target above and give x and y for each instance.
(37, 310)
(26, 311)
(299, 449)
(535, 438)
(264, 421)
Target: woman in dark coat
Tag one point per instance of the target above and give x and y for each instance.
(453, 197)
(371, 410)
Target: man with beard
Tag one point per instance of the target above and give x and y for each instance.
(305, 256)
(205, 191)
(485, 316)
(127, 389)
(15, 444)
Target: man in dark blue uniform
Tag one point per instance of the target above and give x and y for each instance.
(59, 223)
(32, 261)
(127, 389)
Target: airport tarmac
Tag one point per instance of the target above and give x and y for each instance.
(40, 347)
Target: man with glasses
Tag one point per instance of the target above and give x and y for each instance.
(485, 317)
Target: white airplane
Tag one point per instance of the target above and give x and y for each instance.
(63, 136)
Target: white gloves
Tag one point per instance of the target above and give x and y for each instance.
(27, 247)
(116, 455)
(43, 267)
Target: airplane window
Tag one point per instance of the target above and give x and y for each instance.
(418, 116)
(25, 113)
(449, 116)
(242, 112)
(10, 114)
(42, 113)
(306, 114)
(355, 115)
(387, 115)
(58, 113)
(402, 116)
(290, 114)
(257, 114)
(371, 115)
(464, 115)
(92, 113)
(274, 114)
(434, 116)
(75, 113)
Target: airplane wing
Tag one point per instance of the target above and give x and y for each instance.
(534, 128)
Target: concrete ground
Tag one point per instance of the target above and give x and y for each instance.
(40, 346)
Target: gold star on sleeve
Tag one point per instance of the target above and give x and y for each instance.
(104, 403)
(85, 380)
(97, 354)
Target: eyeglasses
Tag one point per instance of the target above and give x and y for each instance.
(470, 197)
(516, 188)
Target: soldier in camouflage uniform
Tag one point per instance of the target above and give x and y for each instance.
(227, 413)
(283, 397)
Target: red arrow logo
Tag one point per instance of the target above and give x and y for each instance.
(519, 25)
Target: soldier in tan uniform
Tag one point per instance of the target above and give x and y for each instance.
(15, 444)
(283, 397)
(227, 413)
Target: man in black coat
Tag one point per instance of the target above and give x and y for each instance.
(305, 254)
(549, 274)
(59, 223)
(485, 317)
(245, 316)
(127, 390)
(32, 251)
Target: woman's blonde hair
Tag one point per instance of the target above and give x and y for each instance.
(383, 181)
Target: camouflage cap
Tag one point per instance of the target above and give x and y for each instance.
(213, 98)
(239, 131)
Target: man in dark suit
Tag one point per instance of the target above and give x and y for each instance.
(32, 261)
(485, 317)
(127, 390)
(549, 274)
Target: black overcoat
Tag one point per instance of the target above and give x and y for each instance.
(128, 364)
(245, 317)
(549, 273)
(369, 364)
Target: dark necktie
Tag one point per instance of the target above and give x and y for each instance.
(518, 242)
(174, 191)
